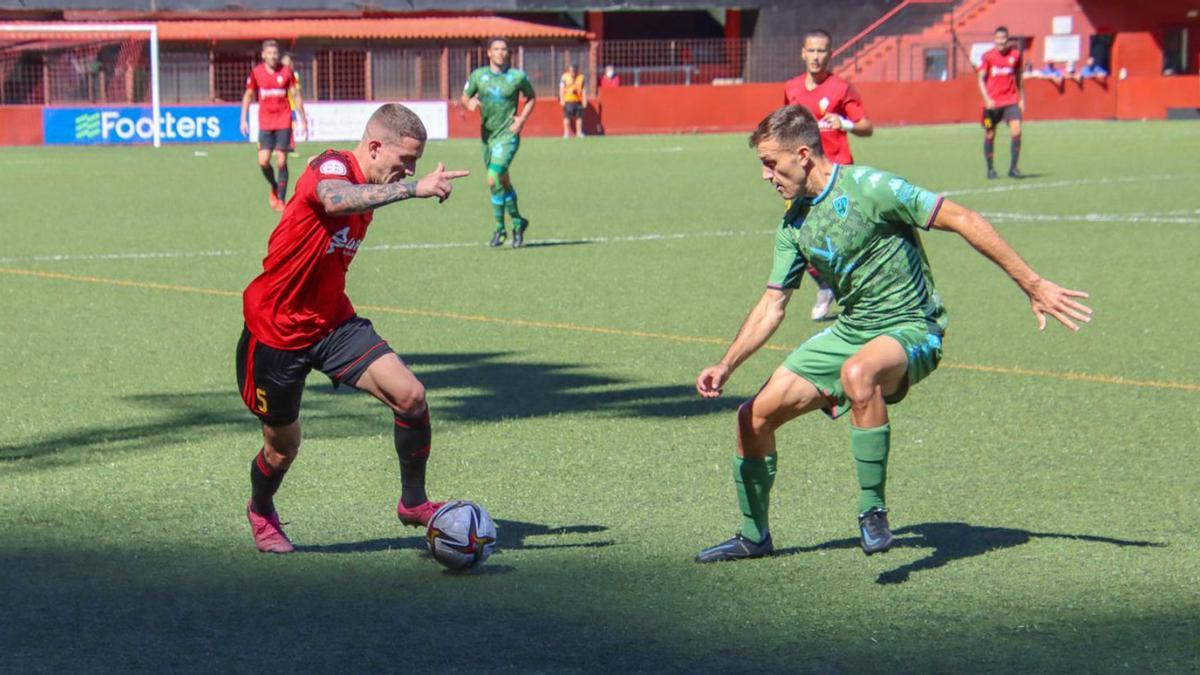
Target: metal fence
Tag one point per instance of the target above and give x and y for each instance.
(686, 62)
(117, 71)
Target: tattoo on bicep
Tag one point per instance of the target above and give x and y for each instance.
(343, 197)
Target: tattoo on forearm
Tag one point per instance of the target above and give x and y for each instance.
(342, 197)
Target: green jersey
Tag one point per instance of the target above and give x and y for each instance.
(498, 96)
(861, 235)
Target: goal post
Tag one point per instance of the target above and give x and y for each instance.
(14, 34)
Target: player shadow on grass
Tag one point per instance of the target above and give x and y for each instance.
(496, 389)
(181, 417)
(512, 534)
(956, 541)
(506, 389)
(546, 243)
(1029, 176)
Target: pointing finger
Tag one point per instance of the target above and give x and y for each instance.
(455, 174)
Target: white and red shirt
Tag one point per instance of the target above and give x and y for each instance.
(300, 297)
(831, 95)
(272, 86)
(1000, 71)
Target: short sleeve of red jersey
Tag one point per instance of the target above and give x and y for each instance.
(331, 166)
(853, 105)
(789, 96)
(983, 63)
(250, 84)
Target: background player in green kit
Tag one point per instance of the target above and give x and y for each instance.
(859, 227)
(494, 90)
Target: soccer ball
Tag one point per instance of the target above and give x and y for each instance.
(461, 535)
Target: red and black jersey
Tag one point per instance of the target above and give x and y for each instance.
(1000, 71)
(831, 95)
(301, 295)
(272, 86)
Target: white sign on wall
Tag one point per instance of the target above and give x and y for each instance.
(345, 121)
(1061, 25)
(1063, 48)
(978, 49)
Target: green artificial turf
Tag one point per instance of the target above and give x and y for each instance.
(1043, 485)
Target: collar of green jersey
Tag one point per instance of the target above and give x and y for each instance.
(837, 169)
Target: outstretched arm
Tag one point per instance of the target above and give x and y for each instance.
(341, 198)
(758, 327)
(1045, 297)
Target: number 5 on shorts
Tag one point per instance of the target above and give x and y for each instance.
(261, 395)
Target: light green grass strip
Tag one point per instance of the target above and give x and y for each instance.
(604, 330)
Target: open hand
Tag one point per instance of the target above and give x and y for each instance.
(1046, 297)
(437, 183)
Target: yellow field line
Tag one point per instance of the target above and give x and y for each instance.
(119, 282)
(554, 325)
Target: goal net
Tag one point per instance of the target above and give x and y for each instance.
(80, 64)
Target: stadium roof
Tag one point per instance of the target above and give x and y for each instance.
(398, 28)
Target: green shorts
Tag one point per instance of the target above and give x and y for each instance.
(498, 154)
(819, 360)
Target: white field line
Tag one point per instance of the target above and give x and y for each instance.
(1030, 185)
(1164, 217)
(1132, 218)
(71, 257)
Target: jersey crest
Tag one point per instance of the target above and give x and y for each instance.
(841, 206)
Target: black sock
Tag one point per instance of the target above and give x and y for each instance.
(1016, 152)
(269, 174)
(264, 483)
(281, 191)
(412, 436)
(989, 148)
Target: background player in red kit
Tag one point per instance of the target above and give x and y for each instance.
(274, 83)
(298, 316)
(839, 111)
(1003, 98)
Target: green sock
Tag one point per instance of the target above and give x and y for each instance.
(754, 478)
(497, 200)
(870, 450)
(510, 203)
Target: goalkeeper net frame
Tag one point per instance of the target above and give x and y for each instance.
(76, 47)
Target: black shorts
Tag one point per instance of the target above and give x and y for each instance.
(275, 139)
(572, 111)
(994, 116)
(272, 380)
